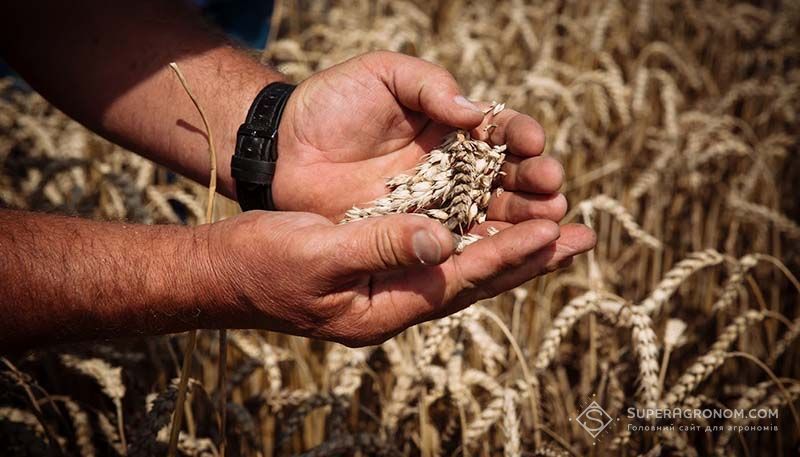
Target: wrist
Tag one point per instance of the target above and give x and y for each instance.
(255, 159)
(214, 299)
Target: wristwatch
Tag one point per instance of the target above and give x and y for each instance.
(253, 162)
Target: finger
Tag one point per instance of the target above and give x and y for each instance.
(435, 288)
(536, 174)
(387, 243)
(490, 227)
(575, 239)
(521, 133)
(508, 249)
(517, 207)
(422, 86)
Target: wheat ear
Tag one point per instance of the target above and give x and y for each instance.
(676, 276)
(110, 380)
(453, 185)
(512, 446)
(616, 210)
(730, 289)
(564, 321)
(708, 363)
(760, 213)
(644, 344)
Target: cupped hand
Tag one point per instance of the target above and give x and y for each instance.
(347, 129)
(363, 282)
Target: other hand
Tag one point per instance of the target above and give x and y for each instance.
(347, 129)
(363, 282)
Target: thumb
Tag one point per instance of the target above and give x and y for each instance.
(391, 242)
(423, 86)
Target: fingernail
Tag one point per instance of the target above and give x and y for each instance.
(463, 102)
(426, 248)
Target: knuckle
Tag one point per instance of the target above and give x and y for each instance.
(383, 246)
(559, 207)
(545, 230)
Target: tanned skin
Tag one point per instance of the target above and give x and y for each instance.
(344, 130)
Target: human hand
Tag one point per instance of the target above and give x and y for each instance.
(363, 282)
(348, 128)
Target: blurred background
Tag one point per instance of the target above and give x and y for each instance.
(677, 122)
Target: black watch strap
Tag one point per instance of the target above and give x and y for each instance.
(253, 162)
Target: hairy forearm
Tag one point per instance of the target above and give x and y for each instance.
(65, 279)
(106, 64)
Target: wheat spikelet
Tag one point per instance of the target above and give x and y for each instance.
(493, 355)
(109, 431)
(730, 289)
(488, 417)
(752, 400)
(665, 50)
(749, 398)
(551, 450)
(241, 373)
(736, 328)
(644, 344)
(243, 422)
(285, 399)
(453, 184)
(786, 340)
(346, 367)
(563, 322)
(20, 416)
(675, 441)
(436, 333)
(258, 349)
(720, 149)
(292, 422)
(620, 440)
(760, 213)
(708, 363)
(676, 276)
(109, 378)
(615, 208)
(512, 446)
(693, 376)
(144, 440)
(670, 97)
(406, 377)
(82, 427)
(608, 14)
(681, 107)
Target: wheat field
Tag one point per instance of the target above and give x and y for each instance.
(677, 122)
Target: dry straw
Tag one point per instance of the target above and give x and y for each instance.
(677, 133)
